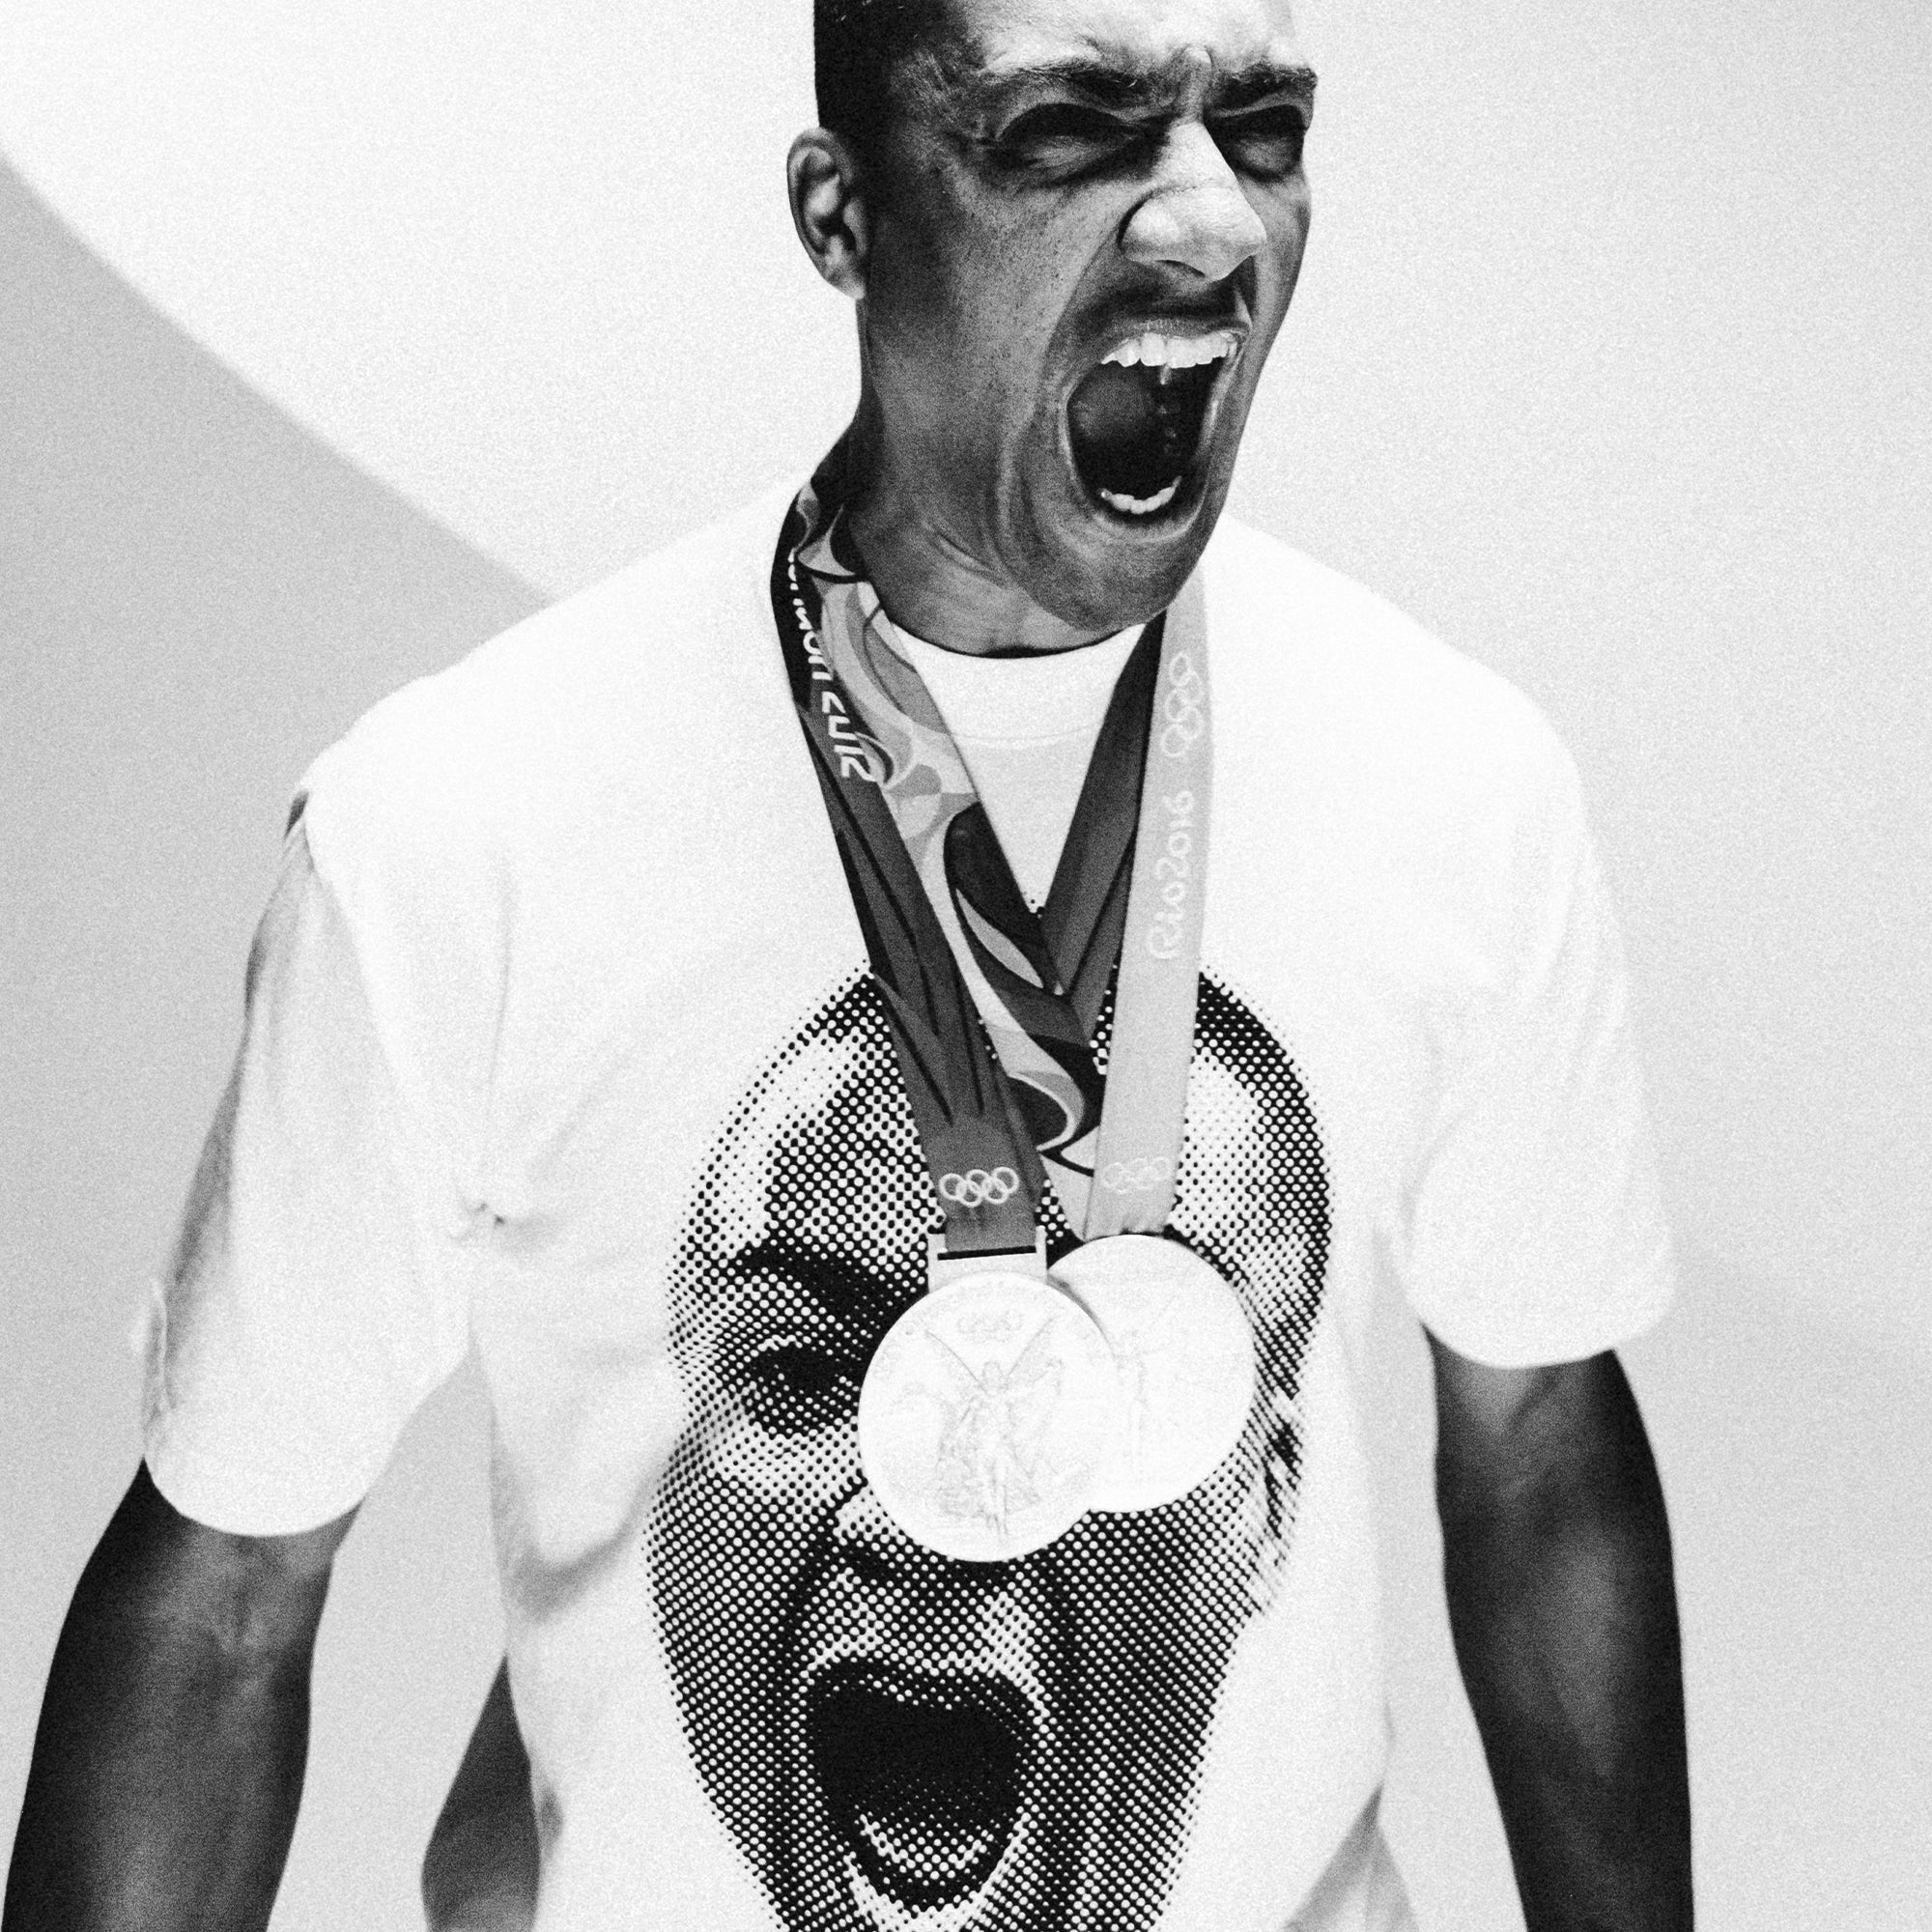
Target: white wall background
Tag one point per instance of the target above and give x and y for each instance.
(333, 336)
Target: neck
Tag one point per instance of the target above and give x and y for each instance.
(930, 580)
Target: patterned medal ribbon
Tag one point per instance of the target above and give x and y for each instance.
(946, 924)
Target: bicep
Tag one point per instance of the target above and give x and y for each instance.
(1507, 1432)
(245, 1595)
(175, 1720)
(1479, 1399)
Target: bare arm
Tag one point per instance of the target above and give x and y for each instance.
(1564, 1611)
(168, 1763)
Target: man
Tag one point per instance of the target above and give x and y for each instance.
(554, 1051)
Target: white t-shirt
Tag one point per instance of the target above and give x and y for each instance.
(561, 1048)
(1026, 729)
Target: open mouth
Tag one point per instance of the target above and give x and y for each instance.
(1136, 418)
(923, 1775)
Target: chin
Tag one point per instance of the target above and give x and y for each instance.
(1102, 557)
(1101, 578)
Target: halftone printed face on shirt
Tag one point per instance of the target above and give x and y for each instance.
(895, 1739)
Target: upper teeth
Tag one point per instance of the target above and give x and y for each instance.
(1172, 352)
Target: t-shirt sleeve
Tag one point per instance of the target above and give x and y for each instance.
(1534, 1230)
(317, 1289)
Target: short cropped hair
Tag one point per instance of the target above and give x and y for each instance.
(858, 46)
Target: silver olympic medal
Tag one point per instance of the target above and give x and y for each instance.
(986, 1417)
(1184, 1356)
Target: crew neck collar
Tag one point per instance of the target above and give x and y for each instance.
(1020, 699)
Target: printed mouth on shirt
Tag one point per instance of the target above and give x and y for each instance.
(1134, 421)
(923, 1775)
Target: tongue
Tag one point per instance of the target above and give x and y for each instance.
(1133, 433)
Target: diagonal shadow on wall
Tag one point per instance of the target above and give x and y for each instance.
(195, 597)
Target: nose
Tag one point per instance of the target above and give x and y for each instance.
(1195, 216)
(872, 1543)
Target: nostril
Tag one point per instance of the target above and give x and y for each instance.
(870, 1541)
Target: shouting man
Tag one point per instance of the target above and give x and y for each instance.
(903, 1033)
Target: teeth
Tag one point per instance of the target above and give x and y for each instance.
(1171, 352)
(1140, 506)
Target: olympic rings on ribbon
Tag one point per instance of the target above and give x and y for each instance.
(979, 1188)
(1181, 706)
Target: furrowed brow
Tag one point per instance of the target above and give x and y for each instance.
(1095, 81)
(1267, 80)
(1104, 84)
(848, 1296)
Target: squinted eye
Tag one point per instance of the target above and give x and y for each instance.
(1063, 132)
(1062, 120)
(792, 1387)
(1268, 142)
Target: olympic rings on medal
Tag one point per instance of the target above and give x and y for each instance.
(979, 1188)
(1183, 706)
(1133, 1177)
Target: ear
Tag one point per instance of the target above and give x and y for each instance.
(828, 209)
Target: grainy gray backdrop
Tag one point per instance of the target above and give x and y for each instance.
(1610, 362)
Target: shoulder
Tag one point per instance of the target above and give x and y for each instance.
(1311, 662)
(544, 724)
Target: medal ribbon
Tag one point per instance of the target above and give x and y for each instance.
(944, 921)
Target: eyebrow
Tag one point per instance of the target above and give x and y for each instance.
(847, 1296)
(1263, 81)
(1127, 89)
